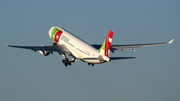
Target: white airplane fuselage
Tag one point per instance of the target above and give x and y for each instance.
(77, 47)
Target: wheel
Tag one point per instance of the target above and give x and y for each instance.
(92, 64)
(63, 61)
(66, 64)
(69, 63)
(67, 60)
(88, 63)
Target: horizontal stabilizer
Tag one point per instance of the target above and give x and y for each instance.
(120, 58)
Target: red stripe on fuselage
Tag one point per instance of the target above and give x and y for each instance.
(58, 35)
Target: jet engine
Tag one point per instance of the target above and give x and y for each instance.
(45, 53)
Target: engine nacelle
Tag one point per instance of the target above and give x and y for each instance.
(45, 53)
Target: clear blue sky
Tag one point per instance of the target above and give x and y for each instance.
(29, 76)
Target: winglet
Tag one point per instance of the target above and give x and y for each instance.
(170, 41)
(6, 44)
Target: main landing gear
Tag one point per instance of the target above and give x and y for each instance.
(66, 62)
(90, 64)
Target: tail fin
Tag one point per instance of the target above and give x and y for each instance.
(105, 48)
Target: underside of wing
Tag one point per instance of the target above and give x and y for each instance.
(52, 48)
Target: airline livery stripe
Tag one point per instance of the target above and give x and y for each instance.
(56, 34)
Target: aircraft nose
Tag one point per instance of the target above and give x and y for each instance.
(54, 34)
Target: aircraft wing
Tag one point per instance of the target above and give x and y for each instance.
(52, 48)
(132, 46)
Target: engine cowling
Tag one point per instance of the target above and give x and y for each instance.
(45, 53)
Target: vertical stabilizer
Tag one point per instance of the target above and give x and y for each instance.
(105, 48)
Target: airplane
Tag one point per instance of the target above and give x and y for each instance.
(65, 42)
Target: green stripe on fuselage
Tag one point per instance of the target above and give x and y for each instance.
(54, 31)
